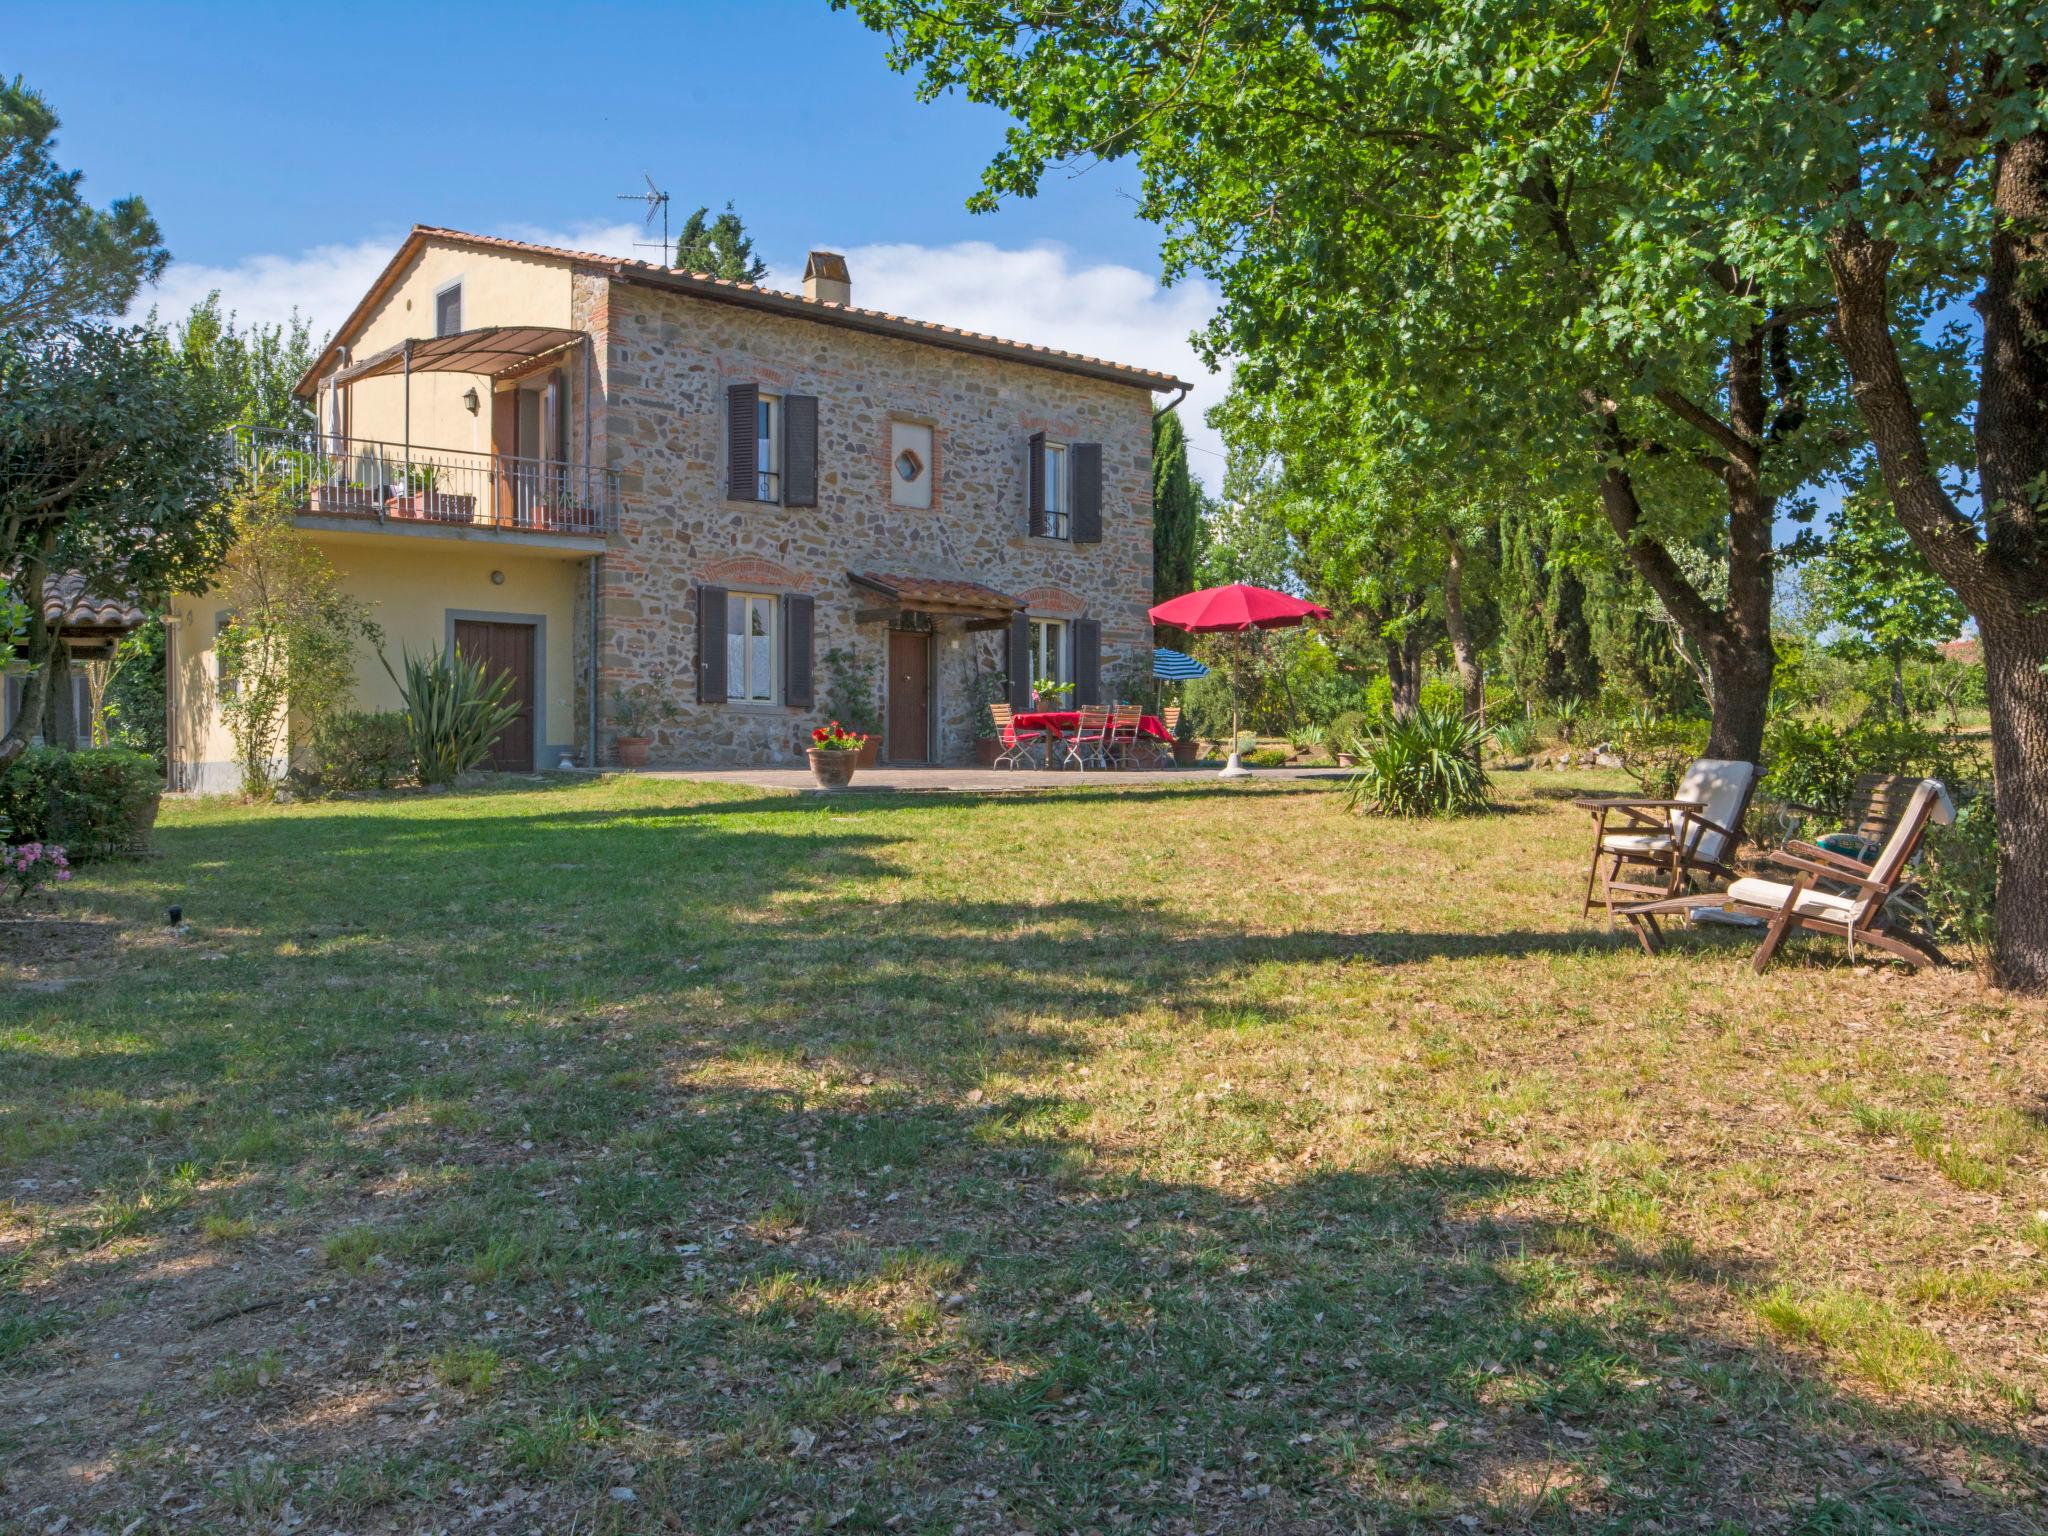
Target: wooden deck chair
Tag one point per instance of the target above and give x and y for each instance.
(1829, 893)
(1664, 844)
(1875, 807)
(1017, 744)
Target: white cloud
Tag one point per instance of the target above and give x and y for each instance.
(1037, 294)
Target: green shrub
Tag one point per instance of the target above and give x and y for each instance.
(1266, 757)
(453, 712)
(1814, 763)
(1309, 739)
(361, 749)
(1347, 731)
(1655, 751)
(95, 803)
(1959, 870)
(1429, 764)
(1515, 736)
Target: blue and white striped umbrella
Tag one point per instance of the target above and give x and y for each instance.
(1176, 666)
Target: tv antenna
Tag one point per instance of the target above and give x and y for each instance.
(657, 202)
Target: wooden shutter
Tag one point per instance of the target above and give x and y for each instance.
(1087, 661)
(711, 682)
(1085, 461)
(1020, 661)
(798, 621)
(799, 450)
(1035, 486)
(742, 424)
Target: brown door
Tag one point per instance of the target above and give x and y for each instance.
(910, 697)
(505, 648)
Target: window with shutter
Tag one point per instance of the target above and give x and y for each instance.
(742, 442)
(1034, 486)
(711, 645)
(798, 623)
(799, 450)
(1087, 492)
(448, 310)
(1020, 661)
(1087, 661)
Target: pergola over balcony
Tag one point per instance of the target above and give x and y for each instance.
(332, 474)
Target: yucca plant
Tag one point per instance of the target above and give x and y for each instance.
(1426, 764)
(453, 712)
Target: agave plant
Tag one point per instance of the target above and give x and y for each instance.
(453, 711)
(1425, 764)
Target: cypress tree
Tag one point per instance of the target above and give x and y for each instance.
(1176, 509)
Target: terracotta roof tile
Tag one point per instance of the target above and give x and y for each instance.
(754, 295)
(67, 605)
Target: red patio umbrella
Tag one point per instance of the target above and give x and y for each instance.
(1236, 608)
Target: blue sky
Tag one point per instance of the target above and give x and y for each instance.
(285, 148)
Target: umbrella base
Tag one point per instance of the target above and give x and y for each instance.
(1234, 769)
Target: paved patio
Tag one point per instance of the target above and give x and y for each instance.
(981, 781)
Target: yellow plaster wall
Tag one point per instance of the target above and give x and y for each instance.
(411, 584)
(498, 288)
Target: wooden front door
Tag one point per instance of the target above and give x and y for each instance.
(910, 697)
(505, 648)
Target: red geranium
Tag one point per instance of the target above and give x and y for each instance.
(836, 738)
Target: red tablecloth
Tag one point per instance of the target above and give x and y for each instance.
(1062, 721)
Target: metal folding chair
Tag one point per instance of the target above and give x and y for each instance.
(1017, 744)
(1089, 741)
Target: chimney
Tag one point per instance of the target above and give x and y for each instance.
(825, 279)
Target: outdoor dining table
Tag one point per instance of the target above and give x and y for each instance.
(1059, 722)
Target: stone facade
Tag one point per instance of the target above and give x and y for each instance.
(665, 361)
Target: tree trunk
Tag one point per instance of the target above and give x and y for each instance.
(2013, 658)
(1404, 672)
(2002, 577)
(36, 651)
(1462, 651)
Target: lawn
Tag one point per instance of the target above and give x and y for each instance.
(640, 1155)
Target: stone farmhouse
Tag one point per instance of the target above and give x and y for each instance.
(598, 473)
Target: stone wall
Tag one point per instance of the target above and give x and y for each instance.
(666, 360)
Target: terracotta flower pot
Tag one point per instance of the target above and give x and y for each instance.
(868, 752)
(633, 751)
(832, 770)
(985, 750)
(1185, 752)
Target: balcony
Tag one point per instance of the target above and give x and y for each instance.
(407, 485)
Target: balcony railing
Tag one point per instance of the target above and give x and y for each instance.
(329, 476)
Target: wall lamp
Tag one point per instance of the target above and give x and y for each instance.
(469, 399)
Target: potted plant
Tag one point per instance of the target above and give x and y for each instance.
(635, 712)
(1048, 694)
(852, 694)
(1186, 749)
(834, 753)
(990, 687)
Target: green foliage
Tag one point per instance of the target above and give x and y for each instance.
(454, 710)
(1811, 762)
(637, 710)
(287, 651)
(1546, 644)
(990, 686)
(1176, 509)
(852, 691)
(1959, 873)
(1515, 736)
(1348, 729)
(132, 699)
(719, 247)
(112, 463)
(61, 260)
(253, 372)
(1266, 757)
(1871, 587)
(357, 750)
(97, 803)
(1426, 764)
(1654, 750)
